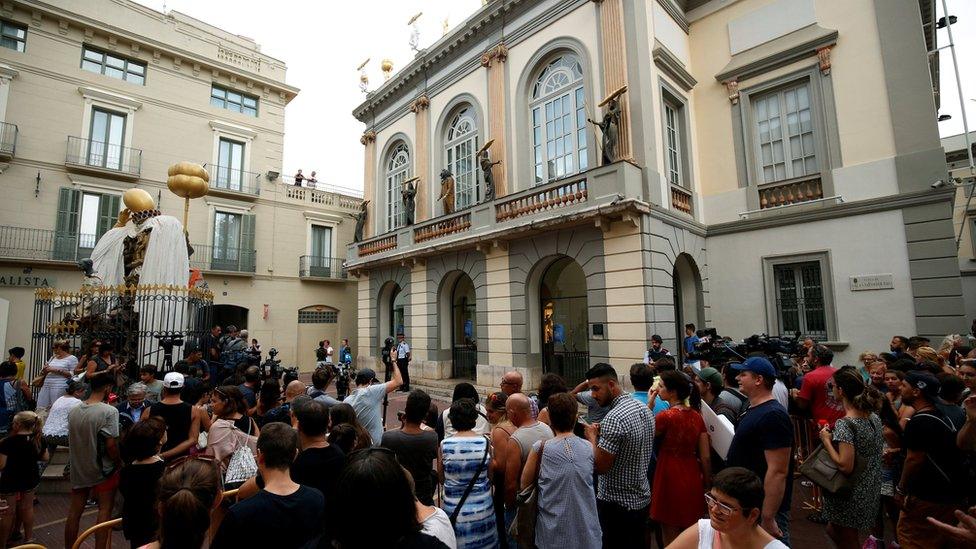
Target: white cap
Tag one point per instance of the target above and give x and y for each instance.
(173, 380)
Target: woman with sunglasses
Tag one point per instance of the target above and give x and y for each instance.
(856, 437)
(734, 508)
(231, 427)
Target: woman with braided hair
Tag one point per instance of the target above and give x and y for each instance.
(683, 471)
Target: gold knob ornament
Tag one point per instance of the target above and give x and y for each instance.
(187, 180)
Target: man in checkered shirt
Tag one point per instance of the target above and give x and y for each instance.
(622, 445)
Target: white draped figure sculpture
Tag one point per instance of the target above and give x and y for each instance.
(145, 247)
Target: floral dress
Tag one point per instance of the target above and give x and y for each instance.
(860, 508)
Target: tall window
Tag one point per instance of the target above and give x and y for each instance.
(397, 171)
(672, 135)
(113, 65)
(462, 144)
(800, 299)
(321, 242)
(83, 217)
(13, 36)
(227, 236)
(233, 101)
(230, 164)
(785, 134)
(558, 113)
(106, 137)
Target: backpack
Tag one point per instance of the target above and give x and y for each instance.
(8, 409)
(242, 464)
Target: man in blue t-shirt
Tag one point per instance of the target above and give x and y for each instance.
(689, 343)
(763, 442)
(642, 377)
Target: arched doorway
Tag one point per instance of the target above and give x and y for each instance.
(565, 328)
(464, 328)
(316, 323)
(225, 315)
(689, 307)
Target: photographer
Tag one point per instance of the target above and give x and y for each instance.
(367, 400)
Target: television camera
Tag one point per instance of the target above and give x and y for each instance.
(718, 350)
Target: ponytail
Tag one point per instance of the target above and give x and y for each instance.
(187, 495)
(869, 401)
(681, 385)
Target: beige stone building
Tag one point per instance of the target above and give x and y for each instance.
(772, 174)
(98, 96)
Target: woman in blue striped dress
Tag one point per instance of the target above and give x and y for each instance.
(459, 459)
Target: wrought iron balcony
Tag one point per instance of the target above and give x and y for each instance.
(8, 140)
(224, 259)
(100, 158)
(44, 244)
(224, 179)
(320, 267)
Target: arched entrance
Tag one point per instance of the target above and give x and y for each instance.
(315, 323)
(464, 328)
(689, 307)
(225, 315)
(565, 328)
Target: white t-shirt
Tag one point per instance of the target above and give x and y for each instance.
(439, 526)
(57, 418)
(781, 394)
(706, 536)
(67, 364)
(367, 402)
(328, 354)
(403, 349)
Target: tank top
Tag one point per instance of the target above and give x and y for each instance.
(178, 418)
(525, 437)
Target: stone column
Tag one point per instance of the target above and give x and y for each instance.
(494, 61)
(366, 355)
(612, 38)
(421, 158)
(369, 180)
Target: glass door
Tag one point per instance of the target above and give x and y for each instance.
(230, 165)
(105, 139)
(320, 262)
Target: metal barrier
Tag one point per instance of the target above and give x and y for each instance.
(806, 437)
(107, 524)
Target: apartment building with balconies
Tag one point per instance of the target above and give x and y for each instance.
(100, 96)
(773, 175)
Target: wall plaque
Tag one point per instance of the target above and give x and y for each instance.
(861, 283)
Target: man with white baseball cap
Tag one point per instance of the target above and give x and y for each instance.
(183, 421)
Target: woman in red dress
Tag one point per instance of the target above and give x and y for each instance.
(683, 472)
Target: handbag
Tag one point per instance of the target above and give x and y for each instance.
(474, 478)
(527, 502)
(242, 464)
(823, 471)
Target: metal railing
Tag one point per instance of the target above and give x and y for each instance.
(8, 139)
(109, 157)
(289, 180)
(211, 258)
(315, 266)
(464, 363)
(44, 244)
(225, 178)
(808, 315)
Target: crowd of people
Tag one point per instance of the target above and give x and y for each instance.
(233, 457)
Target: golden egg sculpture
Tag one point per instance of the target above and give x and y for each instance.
(387, 67)
(138, 200)
(188, 180)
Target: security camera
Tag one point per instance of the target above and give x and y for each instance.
(938, 184)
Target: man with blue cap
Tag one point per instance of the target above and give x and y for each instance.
(763, 442)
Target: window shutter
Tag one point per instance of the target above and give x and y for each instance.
(108, 213)
(66, 227)
(248, 252)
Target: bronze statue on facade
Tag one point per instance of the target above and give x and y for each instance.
(409, 196)
(610, 126)
(486, 164)
(360, 221)
(447, 191)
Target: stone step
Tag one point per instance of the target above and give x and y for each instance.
(53, 481)
(59, 456)
(443, 389)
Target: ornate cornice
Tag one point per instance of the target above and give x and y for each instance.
(497, 52)
(368, 137)
(419, 104)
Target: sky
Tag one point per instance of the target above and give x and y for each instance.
(322, 43)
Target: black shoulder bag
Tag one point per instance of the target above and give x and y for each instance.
(467, 491)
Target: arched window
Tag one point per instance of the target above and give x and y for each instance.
(558, 115)
(397, 171)
(461, 145)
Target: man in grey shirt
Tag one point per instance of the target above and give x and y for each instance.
(527, 432)
(367, 400)
(93, 431)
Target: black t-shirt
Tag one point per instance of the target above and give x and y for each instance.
(20, 473)
(269, 520)
(415, 452)
(178, 418)
(416, 540)
(139, 485)
(939, 479)
(319, 468)
(766, 426)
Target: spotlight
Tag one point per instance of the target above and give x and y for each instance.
(942, 23)
(944, 117)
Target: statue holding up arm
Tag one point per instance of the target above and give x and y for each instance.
(360, 221)
(486, 165)
(409, 194)
(610, 126)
